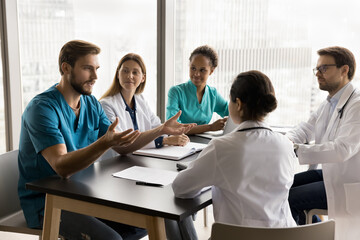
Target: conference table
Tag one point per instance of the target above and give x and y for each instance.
(95, 192)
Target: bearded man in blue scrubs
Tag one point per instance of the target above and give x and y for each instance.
(64, 130)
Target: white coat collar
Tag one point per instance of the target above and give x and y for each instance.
(120, 100)
(250, 124)
(349, 89)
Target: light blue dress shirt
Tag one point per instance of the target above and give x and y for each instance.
(334, 100)
(183, 97)
(48, 120)
(330, 107)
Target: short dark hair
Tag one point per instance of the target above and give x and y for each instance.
(208, 52)
(342, 57)
(256, 93)
(75, 49)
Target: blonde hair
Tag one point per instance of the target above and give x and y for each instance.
(115, 87)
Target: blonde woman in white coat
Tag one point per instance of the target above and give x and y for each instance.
(123, 100)
(250, 169)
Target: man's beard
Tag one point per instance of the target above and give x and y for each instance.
(78, 87)
(329, 87)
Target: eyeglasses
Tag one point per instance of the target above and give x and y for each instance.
(322, 68)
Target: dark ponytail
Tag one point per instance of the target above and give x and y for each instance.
(255, 91)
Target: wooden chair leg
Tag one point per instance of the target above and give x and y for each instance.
(205, 217)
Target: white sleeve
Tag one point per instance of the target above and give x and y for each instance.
(151, 119)
(155, 120)
(199, 174)
(305, 131)
(344, 146)
(111, 112)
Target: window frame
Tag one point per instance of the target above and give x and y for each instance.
(11, 72)
(166, 53)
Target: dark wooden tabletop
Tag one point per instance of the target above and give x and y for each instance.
(97, 185)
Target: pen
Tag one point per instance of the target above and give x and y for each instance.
(149, 184)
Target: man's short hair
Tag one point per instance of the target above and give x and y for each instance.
(342, 57)
(75, 49)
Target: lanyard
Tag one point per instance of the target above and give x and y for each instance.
(253, 128)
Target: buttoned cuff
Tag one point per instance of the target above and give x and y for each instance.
(159, 142)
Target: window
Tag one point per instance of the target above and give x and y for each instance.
(116, 26)
(277, 37)
(2, 109)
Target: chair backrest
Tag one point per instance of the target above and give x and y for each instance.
(9, 176)
(318, 231)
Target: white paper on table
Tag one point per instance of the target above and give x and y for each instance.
(149, 175)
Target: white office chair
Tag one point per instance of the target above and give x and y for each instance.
(319, 231)
(8, 232)
(12, 219)
(309, 214)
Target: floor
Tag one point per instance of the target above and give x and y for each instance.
(202, 231)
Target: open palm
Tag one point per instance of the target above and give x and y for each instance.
(172, 127)
(122, 139)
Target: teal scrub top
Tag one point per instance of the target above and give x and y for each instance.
(183, 97)
(48, 120)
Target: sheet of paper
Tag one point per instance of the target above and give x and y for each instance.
(149, 175)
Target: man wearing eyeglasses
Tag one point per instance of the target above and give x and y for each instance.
(335, 130)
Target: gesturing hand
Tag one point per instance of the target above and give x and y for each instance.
(122, 139)
(172, 127)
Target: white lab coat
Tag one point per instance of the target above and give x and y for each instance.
(251, 173)
(338, 152)
(114, 106)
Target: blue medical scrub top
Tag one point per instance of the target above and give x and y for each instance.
(183, 97)
(48, 120)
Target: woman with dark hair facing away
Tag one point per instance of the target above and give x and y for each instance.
(250, 169)
(197, 100)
